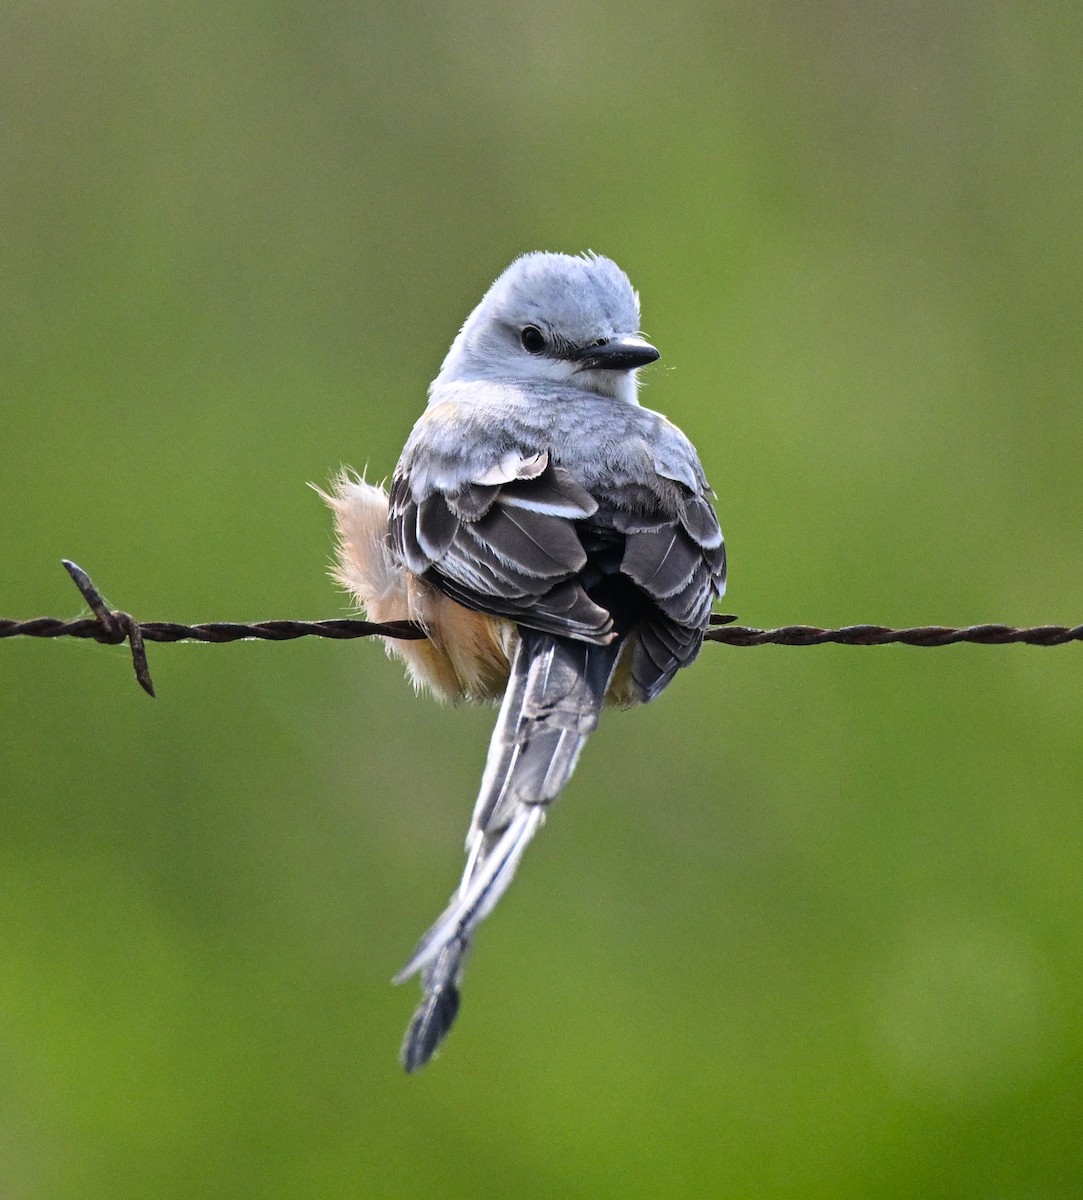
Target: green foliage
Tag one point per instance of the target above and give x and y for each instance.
(807, 927)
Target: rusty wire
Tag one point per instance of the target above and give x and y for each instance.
(113, 626)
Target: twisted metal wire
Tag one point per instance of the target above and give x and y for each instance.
(882, 635)
(113, 626)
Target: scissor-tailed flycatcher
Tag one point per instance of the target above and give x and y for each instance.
(557, 542)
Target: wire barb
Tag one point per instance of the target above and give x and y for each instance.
(114, 626)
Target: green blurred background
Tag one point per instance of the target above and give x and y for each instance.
(807, 927)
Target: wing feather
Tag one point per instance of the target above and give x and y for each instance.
(436, 526)
(525, 540)
(472, 501)
(662, 560)
(699, 519)
(533, 543)
(555, 492)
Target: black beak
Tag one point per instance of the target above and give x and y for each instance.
(617, 354)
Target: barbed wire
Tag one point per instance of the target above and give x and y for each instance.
(114, 626)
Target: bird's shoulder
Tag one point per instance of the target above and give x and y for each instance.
(469, 428)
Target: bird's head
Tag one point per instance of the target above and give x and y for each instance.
(559, 319)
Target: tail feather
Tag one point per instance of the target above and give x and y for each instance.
(437, 1010)
(476, 896)
(551, 705)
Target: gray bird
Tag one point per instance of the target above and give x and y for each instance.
(558, 544)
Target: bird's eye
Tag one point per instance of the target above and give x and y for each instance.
(533, 339)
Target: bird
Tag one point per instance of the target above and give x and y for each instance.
(558, 544)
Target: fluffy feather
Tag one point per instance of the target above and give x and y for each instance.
(466, 655)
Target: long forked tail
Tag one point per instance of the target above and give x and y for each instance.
(554, 694)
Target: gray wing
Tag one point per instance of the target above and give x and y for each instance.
(510, 547)
(525, 540)
(674, 553)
